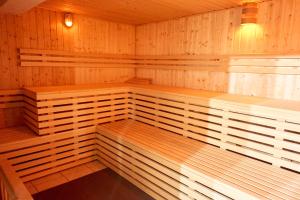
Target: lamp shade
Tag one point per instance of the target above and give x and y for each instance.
(68, 20)
(249, 13)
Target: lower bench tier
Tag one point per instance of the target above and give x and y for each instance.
(164, 164)
(169, 166)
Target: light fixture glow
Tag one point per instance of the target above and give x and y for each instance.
(249, 13)
(68, 20)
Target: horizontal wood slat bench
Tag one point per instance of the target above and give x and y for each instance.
(171, 166)
(39, 156)
(164, 159)
(171, 142)
(29, 157)
(264, 129)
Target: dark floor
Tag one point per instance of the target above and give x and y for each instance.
(104, 184)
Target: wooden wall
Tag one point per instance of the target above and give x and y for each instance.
(43, 29)
(219, 32)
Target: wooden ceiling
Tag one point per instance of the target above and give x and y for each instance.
(138, 11)
(17, 6)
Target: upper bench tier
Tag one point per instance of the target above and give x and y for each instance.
(53, 92)
(265, 129)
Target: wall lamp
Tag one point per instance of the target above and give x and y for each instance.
(249, 13)
(68, 20)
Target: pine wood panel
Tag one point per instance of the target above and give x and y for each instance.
(43, 29)
(138, 11)
(220, 33)
(188, 169)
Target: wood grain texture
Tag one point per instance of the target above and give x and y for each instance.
(220, 33)
(138, 11)
(43, 29)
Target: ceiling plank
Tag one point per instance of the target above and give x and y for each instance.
(17, 6)
(138, 11)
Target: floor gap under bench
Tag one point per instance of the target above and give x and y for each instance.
(103, 184)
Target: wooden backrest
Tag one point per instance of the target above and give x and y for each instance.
(260, 132)
(183, 62)
(264, 64)
(51, 58)
(257, 64)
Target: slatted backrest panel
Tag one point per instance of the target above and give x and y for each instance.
(40, 156)
(265, 64)
(60, 112)
(258, 132)
(258, 64)
(50, 58)
(180, 62)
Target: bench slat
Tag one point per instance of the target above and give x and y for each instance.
(210, 160)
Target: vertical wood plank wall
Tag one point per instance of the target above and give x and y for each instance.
(43, 29)
(219, 32)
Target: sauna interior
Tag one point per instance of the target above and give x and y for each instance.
(160, 99)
